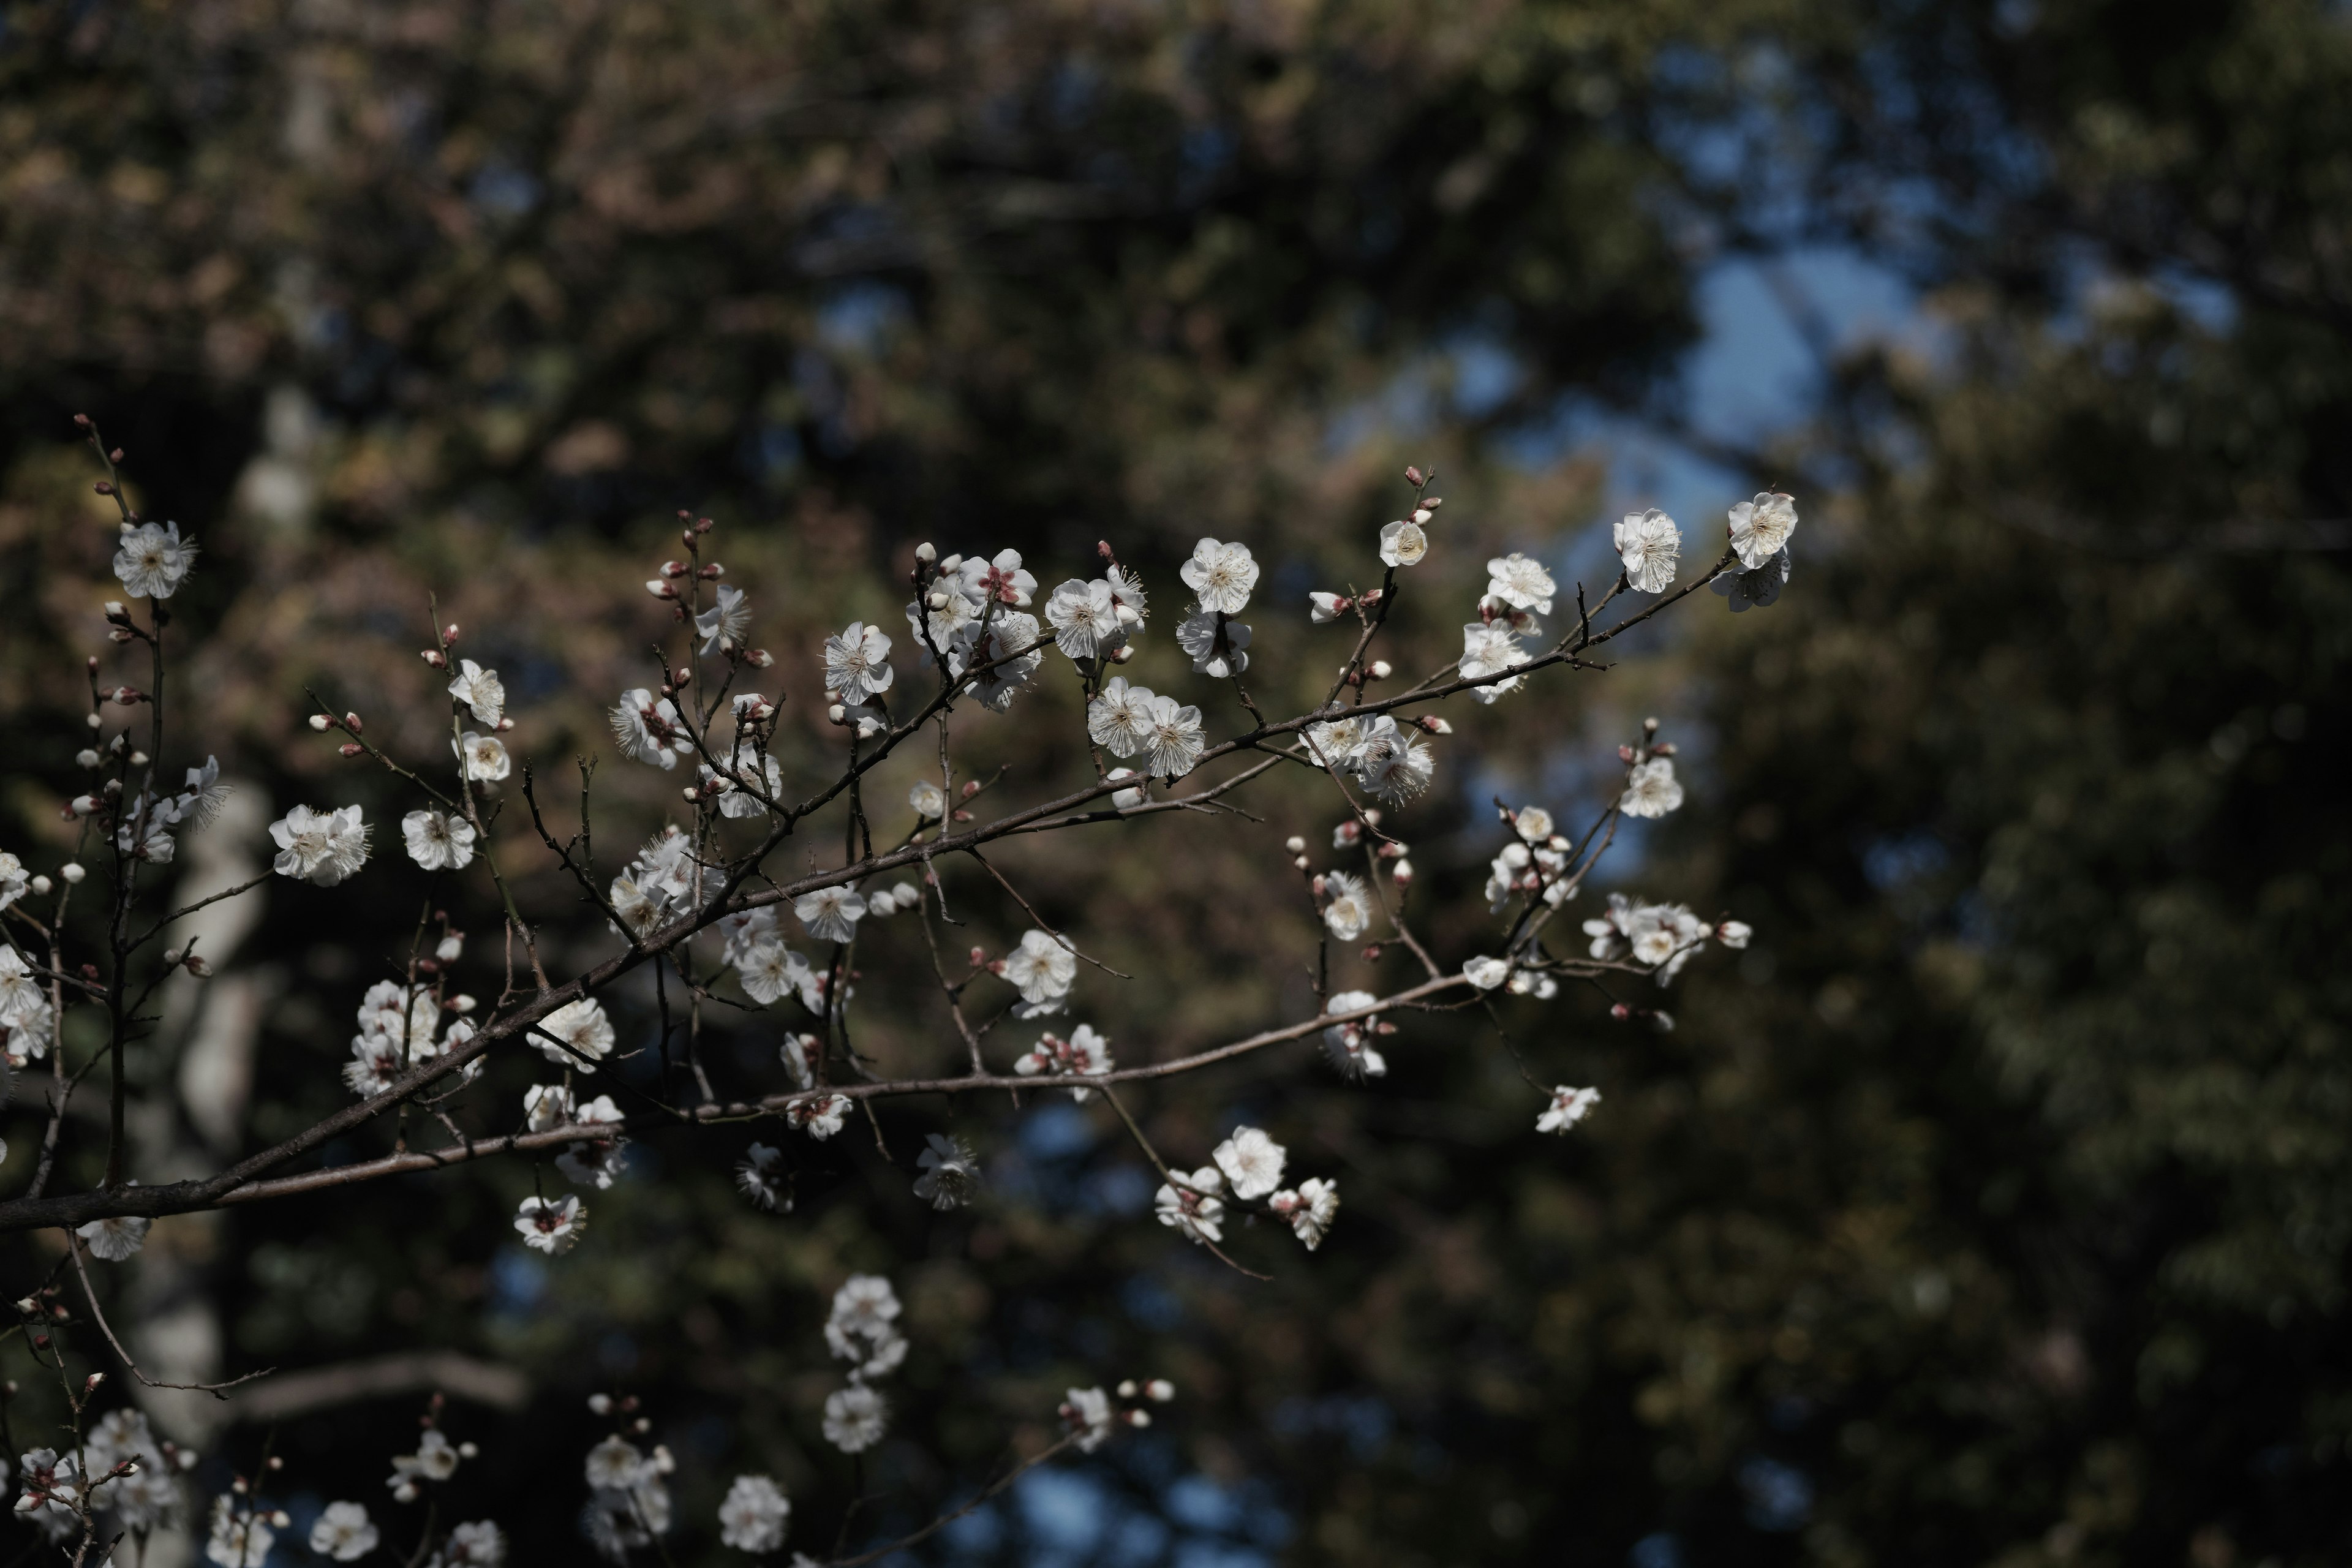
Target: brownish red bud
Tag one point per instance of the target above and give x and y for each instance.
(1412, 476)
(352, 722)
(352, 749)
(103, 488)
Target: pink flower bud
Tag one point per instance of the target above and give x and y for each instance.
(1402, 875)
(660, 590)
(352, 749)
(1620, 1012)
(436, 658)
(352, 722)
(758, 658)
(1412, 476)
(675, 568)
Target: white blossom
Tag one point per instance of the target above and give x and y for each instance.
(831, 914)
(1252, 1163)
(1348, 914)
(199, 801)
(13, 878)
(483, 694)
(438, 841)
(858, 662)
(723, 625)
(1120, 717)
(485, 757)
(583, 1026)
(1651, 790)
(1394, 765)
(238, 1540)
(343, 1532)
(801, 1053)
(1756, 589)
(650, 729)
(1568, 1106)
(1310, 1210)
(1485, 972)
(147, 1496)
(1089, 1412)
(547, 1105)
(1532, 823)
(1217, 651)
(1488, 651)
(1041, 969)
(1084, 619)
(1520, 583)
(1007, 645)
(1403, 543)
(1221, 577)
(554, 1228)
(1190, 1204)
(1173, 743)
(321, 847)
(1349, 1043)
(617, 1465)
(768, 970)
(1760, 528)
(1085, 1054)
(855, 1418)
(1648, 543)
(930, 802)
(1323, 609)
(1734, 934)
(153, 561)
(115, 1237)
(950, 1173)
(737, 798)
(754, 1515)
(757, 1176)
(820, 1116)
(480, 1544)
(1001, 578)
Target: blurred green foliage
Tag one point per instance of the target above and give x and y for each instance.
(1992, 1209)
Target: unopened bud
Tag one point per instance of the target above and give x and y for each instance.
(352, 722)
(1372, 816)
(924, 552)
(1318, 886)
(684, 677)
(115, 455)
(449, 634)
(195, 965)
(1124, 652)
(1402, 875)
(980, 958)
(1160, 1389)
(436, 658)
(90, 1385)
(1372, 951)
(1412, 476)
(1392, 851)
(279, 1518)
(1620, 1011)
(938, 600)
(1299, 863)
(675, 568)
(503, 725)
(82, 420)
(1138, 1417)
(691, 793)
(971, 788)
(322, 722)
(1421, 516)
(960, 815)
(838, 714)
(600, 1403)
(1295, 844)
(1662, 749)
(103, 488)
(277, 1462)
(642, 1425)
(660, 590)
(758, 658)
(1432, 725)
(115, 611)
(1649, 726)
(1624, 753)
(352, 749)
(712, 572)
(127, 695)
(138, 759)
(1382, 670)
(41, 885)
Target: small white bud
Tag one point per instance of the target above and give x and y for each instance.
(600, 1403)
(1402, 875)
(72, 872)
(1421, 516)
(138, 759)
(664, 1461)
(320, 721)
(838, 714)
(114, 610)
(1127, 1389)
(279, 1518)
(1160, 1389)
(951, 562)
(92, 719)
(461, 1003)
(924, 552)
(1138, 1417)
(88, 758)
(1126, 651)
(468, 1450)
(691, 793)
(41, 885)
(1299, 863)
(939, 599)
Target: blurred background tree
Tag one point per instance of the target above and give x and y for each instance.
(1994, 1209)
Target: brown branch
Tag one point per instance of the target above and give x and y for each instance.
(90, 1294)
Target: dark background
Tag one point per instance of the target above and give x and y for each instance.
(1994, 1208)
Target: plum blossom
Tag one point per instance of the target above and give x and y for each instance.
(1120, 717)
(1041, 969)
(1348, 912)
(1394, 765)
(1190, 1204)
(438, 841)
(1403, 543)
(757, 1176)
(1221, 577)
(1309, 1209)
(482, 694)
(855, 1418)
(1651, 790)
(754, 1515)
(950, 1173)
(115, 1237)
(152, 560)
(1252, 1163)
(485, 757)
(583, 1028)
(1089, 1414)
(1486, 652)
(1521, 583)
(1085, 619)
(480, 1544)
(650, 729)
(820, 1116)
(722, 625)
(1568, 1106)
(1760, 528)
(1323, 609)
(1758, 588)
(13, 878)
(1648, 543)
(858, 662)
(1348, 1044)
(1219, 648)
(831, 914)
(1485, 972)
(321, 847)
(238, 1540)
(551, 1228)
(1085, 1054)
(928, 801)
(768, 970)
